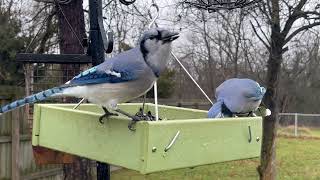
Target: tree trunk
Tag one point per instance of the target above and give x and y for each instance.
(70, 40)
(267, 168)
(71, 33)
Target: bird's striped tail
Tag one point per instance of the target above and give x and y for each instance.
(31, 99)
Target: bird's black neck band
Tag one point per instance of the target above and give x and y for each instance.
(145, 52)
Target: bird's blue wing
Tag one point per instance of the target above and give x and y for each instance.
(107, 74)
(126, 66)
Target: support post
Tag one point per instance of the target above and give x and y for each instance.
(15, 146)
(96, 48)
(96, 51)
(103, 171)
(296, 124)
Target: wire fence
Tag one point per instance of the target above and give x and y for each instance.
(299, 124)
(39, 76)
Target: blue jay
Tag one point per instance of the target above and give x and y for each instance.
(119, 79)
(235, 97)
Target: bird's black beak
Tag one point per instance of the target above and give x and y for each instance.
(170, 37)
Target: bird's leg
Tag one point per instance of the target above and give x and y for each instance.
(106, 114)
(152, 117)
(252, 114)
(148, 116)
(144, 102)
(140, 113)
(135, 119)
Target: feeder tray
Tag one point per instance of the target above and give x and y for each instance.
(184, 138)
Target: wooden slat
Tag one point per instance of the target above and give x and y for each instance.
(54, 58)
(7, 139)
(44, 174)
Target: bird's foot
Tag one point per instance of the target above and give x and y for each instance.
(107, 114)
(146, 117)
(139, 116)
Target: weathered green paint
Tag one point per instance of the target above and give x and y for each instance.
(201, 140)
(36, 125)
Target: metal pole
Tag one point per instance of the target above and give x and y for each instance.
(295, 124)
(96, 47)
(96, 50)
(103, 171)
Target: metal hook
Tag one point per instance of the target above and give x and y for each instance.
(125, 2)
(158, 13)
(172, 142)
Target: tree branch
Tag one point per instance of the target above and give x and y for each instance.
(263, 9)
(263, 33)
(297, 31)
(297, 13)
(260, 38)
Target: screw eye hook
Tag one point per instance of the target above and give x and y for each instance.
(250, 136)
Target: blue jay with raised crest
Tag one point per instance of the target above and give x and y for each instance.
(237, 97)
(121, 78)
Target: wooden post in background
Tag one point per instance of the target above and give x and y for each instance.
(71, 26)
(15, 151)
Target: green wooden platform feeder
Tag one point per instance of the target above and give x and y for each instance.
(184, 138)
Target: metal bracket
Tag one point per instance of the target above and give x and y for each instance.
(250, 136)
(107, 38)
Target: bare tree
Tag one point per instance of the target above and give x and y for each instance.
(280, 16)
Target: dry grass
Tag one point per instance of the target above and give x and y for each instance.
(296, 159)
(289, 131)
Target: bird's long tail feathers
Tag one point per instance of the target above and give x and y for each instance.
(216, 110)
(31, 99)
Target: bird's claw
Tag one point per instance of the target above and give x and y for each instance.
(106, 115)
(135, 119)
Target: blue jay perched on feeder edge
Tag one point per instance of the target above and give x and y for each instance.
(237, 97)
(121, 78)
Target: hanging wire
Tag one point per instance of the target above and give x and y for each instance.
(40, 29)
(153, 21)
(194, 81)
(74, 33)
(175, 57)
(155, 86)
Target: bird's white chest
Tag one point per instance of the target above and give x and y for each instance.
(110, 94)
